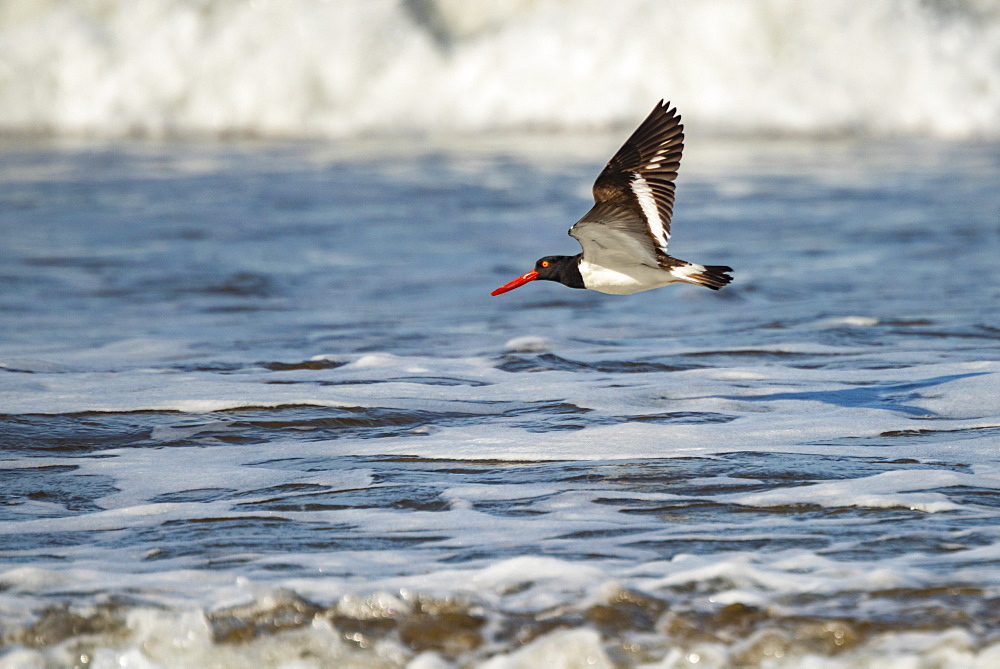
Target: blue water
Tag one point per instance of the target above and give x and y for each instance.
(265, 383)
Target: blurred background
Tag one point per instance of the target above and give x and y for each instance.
(347, 68)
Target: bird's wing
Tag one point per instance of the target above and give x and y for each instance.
(640, 177)
(613, 236)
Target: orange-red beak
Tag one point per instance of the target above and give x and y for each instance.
(519, 281)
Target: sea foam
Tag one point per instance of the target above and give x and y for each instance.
(360, 67)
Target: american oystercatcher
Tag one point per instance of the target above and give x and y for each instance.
(624, 236)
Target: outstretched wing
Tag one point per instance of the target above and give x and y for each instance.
(640, 177)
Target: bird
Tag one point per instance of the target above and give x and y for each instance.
(624, 236)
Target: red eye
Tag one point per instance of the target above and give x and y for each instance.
(545, 263)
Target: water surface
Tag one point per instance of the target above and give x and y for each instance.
(258, 406)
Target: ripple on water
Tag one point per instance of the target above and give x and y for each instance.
(549, 362)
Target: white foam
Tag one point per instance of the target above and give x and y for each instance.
(166, 639)
(562, 649)
(848, 321)
(529, 344)
(352, 67)
(886, 490)
(784, 408)
(181, 635)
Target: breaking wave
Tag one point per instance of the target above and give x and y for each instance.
(306, 68)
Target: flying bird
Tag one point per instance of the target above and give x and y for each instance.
(624, 236)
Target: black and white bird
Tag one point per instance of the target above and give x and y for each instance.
(624, 236)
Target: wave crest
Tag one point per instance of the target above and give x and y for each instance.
(350, 68)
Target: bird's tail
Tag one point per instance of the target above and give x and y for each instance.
(710, 276)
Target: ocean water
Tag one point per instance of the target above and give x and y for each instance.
(258, 408)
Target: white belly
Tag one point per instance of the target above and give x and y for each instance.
(623, 282)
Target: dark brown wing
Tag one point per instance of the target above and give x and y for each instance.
(641, 175)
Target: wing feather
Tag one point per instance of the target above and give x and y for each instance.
(640, 176)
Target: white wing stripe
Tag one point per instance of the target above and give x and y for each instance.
(644, 194)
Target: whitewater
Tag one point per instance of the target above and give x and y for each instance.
(349, 68)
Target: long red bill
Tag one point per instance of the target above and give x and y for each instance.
(519, 281)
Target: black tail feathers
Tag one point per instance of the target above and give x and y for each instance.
(712, 276)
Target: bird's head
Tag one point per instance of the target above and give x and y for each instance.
(549, 268)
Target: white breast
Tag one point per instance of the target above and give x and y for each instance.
(635, 279)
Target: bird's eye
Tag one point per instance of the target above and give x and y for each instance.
(545, 263)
